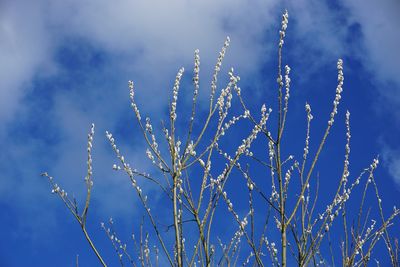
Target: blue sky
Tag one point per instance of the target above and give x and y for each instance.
(65, 64)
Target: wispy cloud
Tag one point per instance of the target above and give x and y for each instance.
(379, 25)
(391, 159)
(24, 52)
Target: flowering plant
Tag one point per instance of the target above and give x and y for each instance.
(197, 187)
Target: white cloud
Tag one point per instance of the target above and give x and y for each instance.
(391, 159)
(381, 41)
(379, 22)
(24, 52)
(154, 37)
(319, 27)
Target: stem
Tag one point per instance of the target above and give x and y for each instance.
(278, 161)
(176, 225)
(92, 246)
(284, 244)
(282, 204)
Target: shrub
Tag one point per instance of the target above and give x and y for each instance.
(280, 192)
